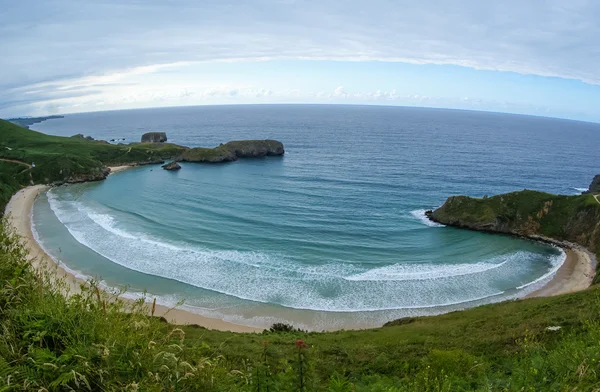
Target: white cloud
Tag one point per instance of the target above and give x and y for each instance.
(63, 49)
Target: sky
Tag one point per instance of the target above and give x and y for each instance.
(538, 57)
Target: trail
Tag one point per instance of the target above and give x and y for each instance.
(596, 197)
(17, 162)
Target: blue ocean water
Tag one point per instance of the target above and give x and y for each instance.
(332, 235)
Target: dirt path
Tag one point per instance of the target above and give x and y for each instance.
(596, 197)
(17, 162)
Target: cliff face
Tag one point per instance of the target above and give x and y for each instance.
(595, 185)
(154, 137)
(207, 155)
(255, 148)
(527, 213)
(233, 151)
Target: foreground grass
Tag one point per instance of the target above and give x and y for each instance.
(88, 342)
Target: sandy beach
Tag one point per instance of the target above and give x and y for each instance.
(116, 169)
(19, 211)
(575, 274)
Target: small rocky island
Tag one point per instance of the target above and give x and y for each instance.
(171, 166)
(154, 137)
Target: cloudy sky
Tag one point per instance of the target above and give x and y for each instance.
(537, 57)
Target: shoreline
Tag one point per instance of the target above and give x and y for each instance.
(19, 210)
(575, 273)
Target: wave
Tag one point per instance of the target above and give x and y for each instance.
(556, 262)
(581, 190)
(400, 272)
(420, 215)
(273, 279)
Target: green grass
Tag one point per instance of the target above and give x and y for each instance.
(94, 341)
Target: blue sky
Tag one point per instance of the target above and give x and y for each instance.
(532, 57)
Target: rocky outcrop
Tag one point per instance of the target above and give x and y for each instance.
(81, 136)
(232, 151)
(171, 166)
(595, 185)
(207, 155)
(154, 137)
(255, 148)
(94, 175)
(527, 213)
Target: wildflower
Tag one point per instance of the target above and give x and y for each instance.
(300, 343)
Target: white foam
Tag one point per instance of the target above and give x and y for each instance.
(556, 262)
(580, 190)
(420, 215)
(400, 272)
(269, 278)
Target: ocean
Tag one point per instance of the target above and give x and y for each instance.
(332, 235)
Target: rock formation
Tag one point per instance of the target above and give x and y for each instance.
(171, 166)
(595, 185)
(526, 213)
(232, 151)
(255, 148)
(81, 136)
(154, 137)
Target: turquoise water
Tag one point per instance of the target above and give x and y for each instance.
(332, 235)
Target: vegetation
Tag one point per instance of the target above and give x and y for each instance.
(94, 341)
(571, 218)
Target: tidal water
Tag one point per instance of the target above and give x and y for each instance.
(332, 235)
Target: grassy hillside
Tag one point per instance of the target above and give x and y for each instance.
(87, 342)
(60, 159)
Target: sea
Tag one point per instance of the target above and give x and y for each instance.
(330, 236)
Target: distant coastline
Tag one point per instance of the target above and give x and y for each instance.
(26, 122)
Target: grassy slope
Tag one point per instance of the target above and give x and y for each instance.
(59, 158)
(87, 342)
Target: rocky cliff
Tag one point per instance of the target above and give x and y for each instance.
(595, 185)
(527, 213)
(154, 137)
(233, 151)
(255, 148)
